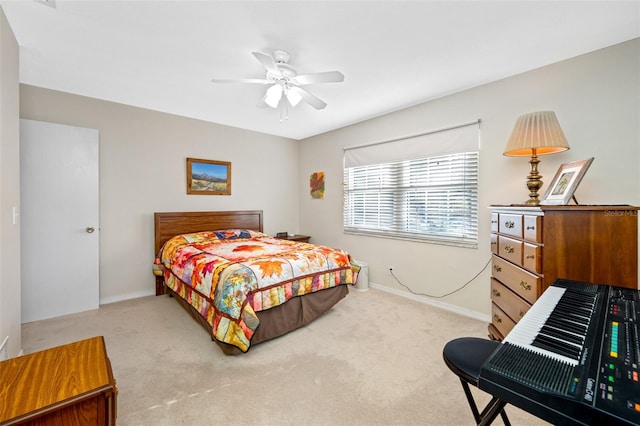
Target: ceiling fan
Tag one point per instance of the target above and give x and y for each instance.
(285, 81)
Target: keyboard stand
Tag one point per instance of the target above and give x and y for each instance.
(491, 411)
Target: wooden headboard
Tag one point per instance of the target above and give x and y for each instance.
(170, 224)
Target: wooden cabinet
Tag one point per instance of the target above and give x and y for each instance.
(67, 385)
(533, 246)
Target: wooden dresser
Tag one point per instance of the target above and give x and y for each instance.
(533, 246)
(67, 385)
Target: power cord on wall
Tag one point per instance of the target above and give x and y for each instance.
(444, 295)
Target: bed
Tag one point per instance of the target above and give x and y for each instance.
(243, 300)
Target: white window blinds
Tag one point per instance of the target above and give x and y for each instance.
(423, 187)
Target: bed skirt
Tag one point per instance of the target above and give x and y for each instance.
(277, 321)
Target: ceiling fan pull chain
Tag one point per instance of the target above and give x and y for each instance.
(284, 112)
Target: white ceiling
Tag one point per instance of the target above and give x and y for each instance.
(162, 55)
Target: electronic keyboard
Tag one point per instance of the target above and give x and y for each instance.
(573, 358)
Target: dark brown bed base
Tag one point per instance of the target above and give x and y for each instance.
(274, 322)
(280, 320)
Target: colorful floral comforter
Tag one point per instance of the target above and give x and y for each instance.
(230, 275)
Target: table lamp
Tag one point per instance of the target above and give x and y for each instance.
(536, 133)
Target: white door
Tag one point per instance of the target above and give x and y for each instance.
(59, 213)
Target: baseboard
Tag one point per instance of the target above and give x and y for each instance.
(428, 301)
(128, 296)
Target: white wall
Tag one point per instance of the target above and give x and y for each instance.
(143, 170)
(9, 190)
(597, 100)
(595, 96)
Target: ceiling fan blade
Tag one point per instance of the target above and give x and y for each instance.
(320, 77)
(241, 80)
(312, 100)
(268, 63)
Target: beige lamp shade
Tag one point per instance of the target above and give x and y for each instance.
(536, 133)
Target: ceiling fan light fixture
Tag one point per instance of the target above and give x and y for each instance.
(283, 79)
(294, 98)
(274, 94)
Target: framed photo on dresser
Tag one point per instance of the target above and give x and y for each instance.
(565, 182)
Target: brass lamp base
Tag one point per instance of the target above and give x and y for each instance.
(534, 181)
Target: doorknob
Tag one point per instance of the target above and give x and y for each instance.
(89, 229)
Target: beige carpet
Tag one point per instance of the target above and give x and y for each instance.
(374, 359)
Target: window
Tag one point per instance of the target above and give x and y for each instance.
(431, 197)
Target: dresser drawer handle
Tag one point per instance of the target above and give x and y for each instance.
(521, 314)
(493, 243)
(524, 285)
(496, 293)
(530, 228)
(509, 224)
(496, 318)
(497, 268)
(530, 256)
(494, 221)
(508, 249)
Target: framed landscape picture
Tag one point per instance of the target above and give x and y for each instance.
(208, 177)
(565, 182)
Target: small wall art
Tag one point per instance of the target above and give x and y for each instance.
(208, 177)
(316, 183)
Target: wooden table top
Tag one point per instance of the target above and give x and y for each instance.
(43, 379)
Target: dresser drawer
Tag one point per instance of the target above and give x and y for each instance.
(533, 228)
(510, 224)
(494, 222)
(510, 249)
(508, 301)
(523, 283)
(500, 320)
(494, 244)
(532, 257)
(494, 334)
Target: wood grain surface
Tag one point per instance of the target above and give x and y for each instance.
(47, 381)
